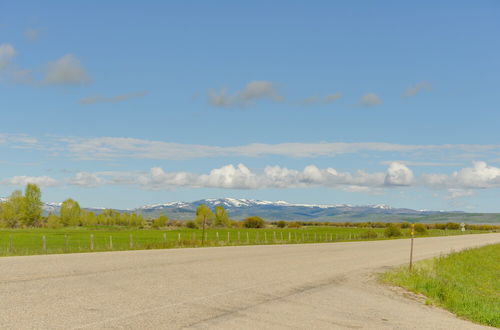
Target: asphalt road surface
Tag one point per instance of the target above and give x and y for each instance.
(307, 286)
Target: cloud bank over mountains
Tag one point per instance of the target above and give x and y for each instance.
(458, 184)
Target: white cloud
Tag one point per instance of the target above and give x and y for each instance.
(65, 71)
(320, 100)
(7, 52)
(86, 179)
(398, 175)
(370, 100)
(241, 177)
(105, 148)
(459, 193)
(229, 176)
(42, 181)
(254, 90)
(113, 99)
(417, 88)
(479, 176)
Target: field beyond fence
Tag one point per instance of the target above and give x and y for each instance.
(73, 240)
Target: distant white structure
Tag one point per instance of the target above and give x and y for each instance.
(462, 226)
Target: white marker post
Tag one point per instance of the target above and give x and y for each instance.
(462, 227)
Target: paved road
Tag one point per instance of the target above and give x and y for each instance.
(311, 286)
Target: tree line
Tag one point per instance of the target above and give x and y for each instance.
(24, 210)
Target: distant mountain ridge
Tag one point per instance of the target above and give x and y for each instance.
(280, 210)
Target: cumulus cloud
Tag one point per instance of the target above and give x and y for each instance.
(241, 177)
(370, 100)
(417, 88)
(398, 175)
(66, 70)
(479, 176)
(253, 91)
(86, 179)
(42, 181)
(112, 99)
(7, 52)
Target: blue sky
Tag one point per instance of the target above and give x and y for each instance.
(121, 104)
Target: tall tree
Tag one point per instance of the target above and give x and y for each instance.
(70, 213)
(221, 217)
(32, 205)
(204, 217)
(12, 210)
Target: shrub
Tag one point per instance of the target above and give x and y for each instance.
(420, 229)
(191, 224)
(405, 225)
(294, 225)
(253, 222)
(161, 221)
(370, 233)
(392, 231)
(452, 225)
(281, 224)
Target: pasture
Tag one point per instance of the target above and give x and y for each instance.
(83, 239)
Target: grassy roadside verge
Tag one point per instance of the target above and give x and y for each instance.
(467, 283)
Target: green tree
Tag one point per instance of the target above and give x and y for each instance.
(204, 217)
(160, 222)
(70, 213)
(12, 210)
(32, 205)
(53, 221)
(221, 217)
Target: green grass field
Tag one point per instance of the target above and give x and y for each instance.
(467, 283)
(72, 240)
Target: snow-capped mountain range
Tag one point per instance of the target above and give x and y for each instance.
(279, 210)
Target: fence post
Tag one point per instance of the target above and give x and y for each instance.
(131, 242)
(256, 237)
(44, 244)
(66, 245)
(289, 236)
(164, 237)
(302, 237)
(228, 237)
(248, 238)
(92, 242)
(281, 235)
(238, 237)
(110, 242)
(178, 237)
(10, 245)
(315, 237)
(265, 237)
(217, 235)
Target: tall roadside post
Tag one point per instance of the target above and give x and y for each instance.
(411, 248)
